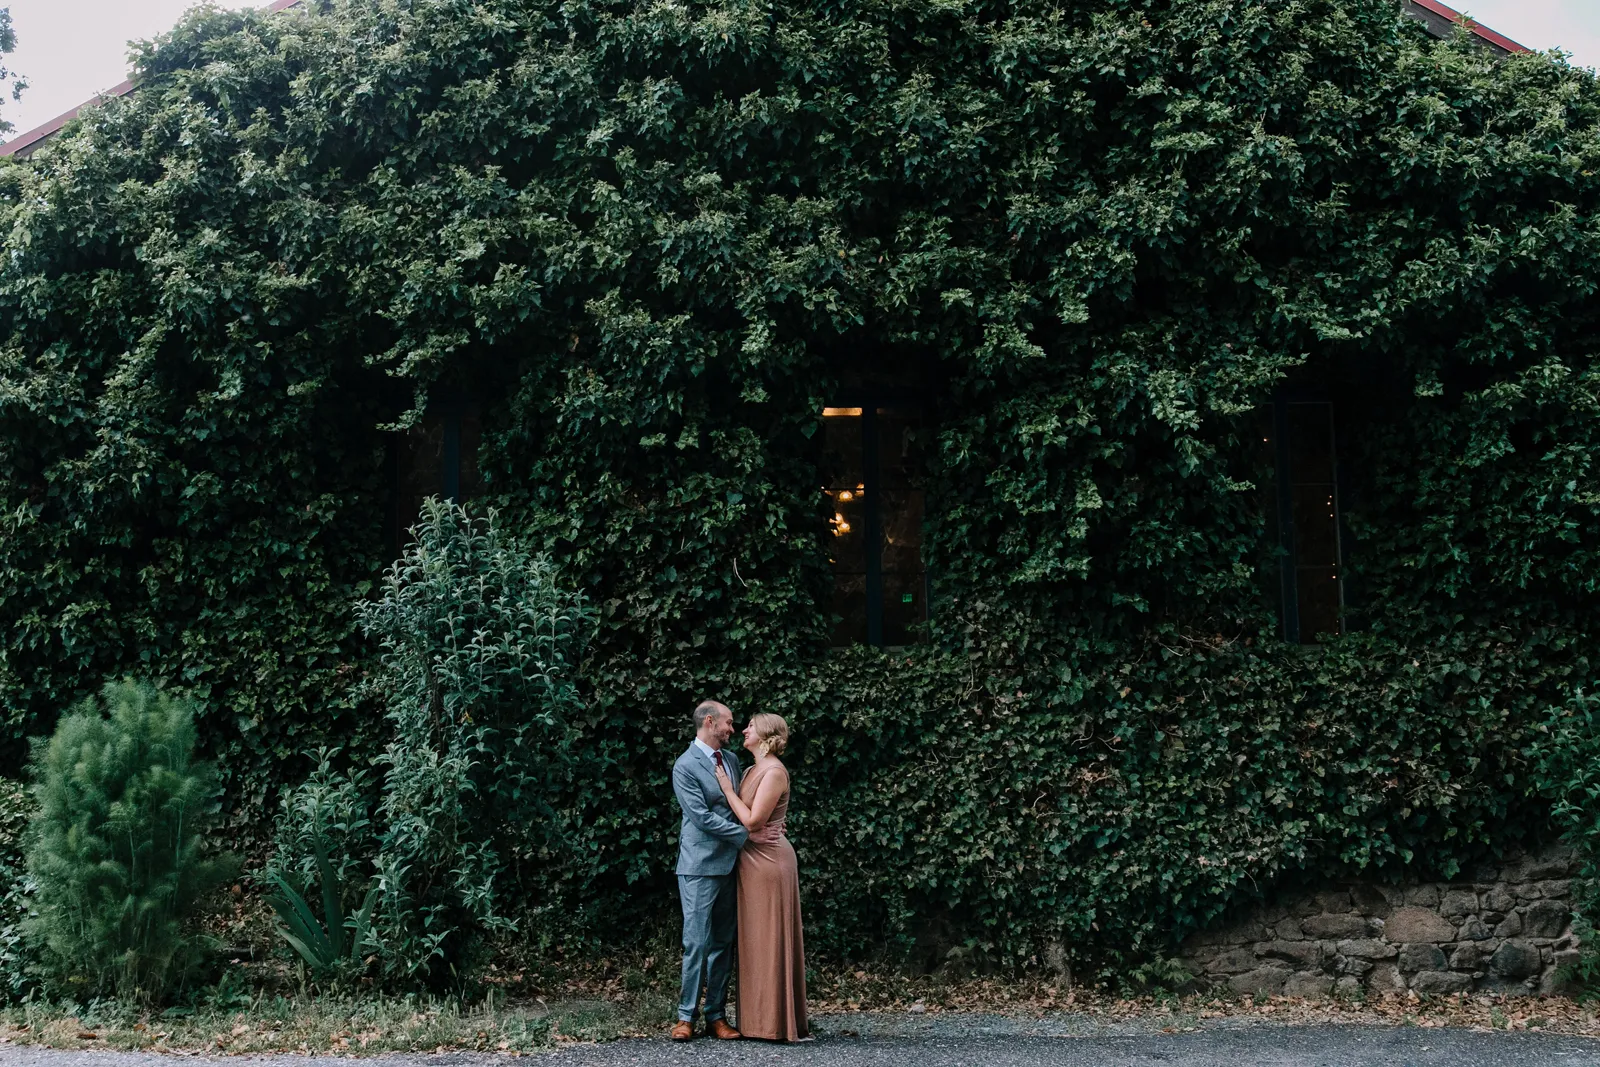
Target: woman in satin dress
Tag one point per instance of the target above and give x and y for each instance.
(772, 956)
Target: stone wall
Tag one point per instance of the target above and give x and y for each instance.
(1507, 930)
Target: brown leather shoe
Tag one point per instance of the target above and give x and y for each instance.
(682, 1031)
(719, 1029)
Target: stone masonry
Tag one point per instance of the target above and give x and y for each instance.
(1507, 930)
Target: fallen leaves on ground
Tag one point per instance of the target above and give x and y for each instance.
(601, 1005)
(850, 993)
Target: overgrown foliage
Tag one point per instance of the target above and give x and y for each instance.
(479, 649)
(1566, 768)
(325, 839)
(16, 886)
(1565, 761)
(115, 848)
(653, 240)
(334, 944)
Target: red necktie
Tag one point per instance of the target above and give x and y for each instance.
(717, 755)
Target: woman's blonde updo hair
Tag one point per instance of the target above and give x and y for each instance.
(772, 730)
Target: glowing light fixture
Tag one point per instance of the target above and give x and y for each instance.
(841, 413)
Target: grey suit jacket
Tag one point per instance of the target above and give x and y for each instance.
(711, 836)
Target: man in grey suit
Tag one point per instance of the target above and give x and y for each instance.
(707, 849)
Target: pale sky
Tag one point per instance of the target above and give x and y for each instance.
(68, 50)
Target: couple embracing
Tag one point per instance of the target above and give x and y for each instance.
(737, 877)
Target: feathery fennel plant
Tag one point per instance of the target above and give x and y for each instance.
(116, 851)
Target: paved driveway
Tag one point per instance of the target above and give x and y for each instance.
(1239, 1046)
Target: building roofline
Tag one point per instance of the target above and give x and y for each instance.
(1499, 40)
(23, 144)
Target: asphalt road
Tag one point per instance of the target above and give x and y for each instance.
(1256, 1046)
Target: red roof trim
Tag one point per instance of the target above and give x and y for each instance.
(39, 133)
(1476, 27)
(24, 141)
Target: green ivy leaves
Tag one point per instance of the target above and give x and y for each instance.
(651, 242)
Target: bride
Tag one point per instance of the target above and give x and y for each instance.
(772, 964)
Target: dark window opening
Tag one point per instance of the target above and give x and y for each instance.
(871, 484)
(436, 457)
(1307, 527)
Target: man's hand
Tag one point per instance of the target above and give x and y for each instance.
(725, 782)
(692, 798)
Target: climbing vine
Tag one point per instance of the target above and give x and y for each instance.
(652, 240)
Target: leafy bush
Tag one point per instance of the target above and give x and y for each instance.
(479, 644)
(650, 241)
(325, 839)
(479, 651)
(16, 887)
(326, 819)
(1158, 977)
(115, 848)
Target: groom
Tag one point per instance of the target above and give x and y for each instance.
(707, 849)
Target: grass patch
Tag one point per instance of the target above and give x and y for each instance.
(341, 1025)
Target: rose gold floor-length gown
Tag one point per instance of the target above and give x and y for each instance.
(772, 954)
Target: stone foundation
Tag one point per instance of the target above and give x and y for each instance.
(1508, 930)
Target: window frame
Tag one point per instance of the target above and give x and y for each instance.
(1289, 567)
(869, 401)
(451, 411)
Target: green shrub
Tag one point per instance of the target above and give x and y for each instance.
(329, 813)
(334, 944)
(115, 847)
(479, 649)
(479, 643)
(325, 839)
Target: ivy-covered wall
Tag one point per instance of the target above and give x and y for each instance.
(653, 239)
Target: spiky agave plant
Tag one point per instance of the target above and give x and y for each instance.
(334, 946)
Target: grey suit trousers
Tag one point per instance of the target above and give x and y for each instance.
(710, 925)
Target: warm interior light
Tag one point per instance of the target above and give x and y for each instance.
(846, 495)
(841, 413)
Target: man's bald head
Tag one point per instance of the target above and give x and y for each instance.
(707, 709)
(713, 723)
